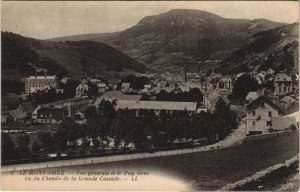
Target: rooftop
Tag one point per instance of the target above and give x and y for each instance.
(42, 77)
(157, 105)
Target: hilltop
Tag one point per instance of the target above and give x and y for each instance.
(181, 38)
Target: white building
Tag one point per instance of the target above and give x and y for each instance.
(157, 106)
(260, 114)
(35, 83)
(81, 89)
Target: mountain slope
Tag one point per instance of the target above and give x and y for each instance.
(20, 54)
(276, 48)
(183, 37)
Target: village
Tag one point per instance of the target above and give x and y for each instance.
(176, 110)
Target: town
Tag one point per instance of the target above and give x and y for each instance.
(65, 116)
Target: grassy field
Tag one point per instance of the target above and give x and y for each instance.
(213, 169)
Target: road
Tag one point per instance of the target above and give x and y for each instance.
(235, 137)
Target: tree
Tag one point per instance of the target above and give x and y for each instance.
(8, 147)
(23, 142)
(35, 147)
(243, 86)
(46, 141)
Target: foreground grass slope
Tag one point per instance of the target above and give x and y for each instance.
(213, 169)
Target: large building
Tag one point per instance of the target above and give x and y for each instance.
(57, 111)
(260, 115)
(283, 84)
(157, 106)
(35, 83)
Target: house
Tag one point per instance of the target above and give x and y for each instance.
(102, 87)
(162, 84)
(251, 96)
(283, 84)
(81, 89)
(270, 71)
(36, 83)
(260, 115)
(125, 87)
(94, 81)
(65, 80)
(18, 115)
(23, 112)
(111, 85)
(226, 83)
(6, 118)
(157, 106)
(286, 102)
(56, 112)
(192, 77)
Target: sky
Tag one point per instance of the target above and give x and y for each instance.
(48, 19)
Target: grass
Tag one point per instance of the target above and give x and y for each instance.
(271, 180)
(211, 170)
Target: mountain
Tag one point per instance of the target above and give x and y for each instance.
(276, 48)
(22, 56)
(182, 38)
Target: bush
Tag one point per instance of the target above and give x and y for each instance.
(293, 127)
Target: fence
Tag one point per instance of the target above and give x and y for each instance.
(105, 159)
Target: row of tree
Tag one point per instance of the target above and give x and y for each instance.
(193, 95)
(124, 127)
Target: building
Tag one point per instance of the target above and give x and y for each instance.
(81, 89)
(102, 87)
(57, 111)
(260, 114)
(22, 113)
(65, 80)
(251, 96)
(157, 106)
(125, 87)
(95, 81)
(35, 83)
(286, 102)
(115, 95)
(192, 77)
(283, 84)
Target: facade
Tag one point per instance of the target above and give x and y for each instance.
(157, 106)
(260, 115)
(125, 87)
(57, 111)
(192, 77)
(81, 89)
(102, 87)
(35, 83)
(283, 84)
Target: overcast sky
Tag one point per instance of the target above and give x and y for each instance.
(54, 19)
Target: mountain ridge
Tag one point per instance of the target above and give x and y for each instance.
(182, 38)
(80, 58)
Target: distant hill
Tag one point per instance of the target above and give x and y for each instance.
(181, 38)
(276, 48)
(21, 54)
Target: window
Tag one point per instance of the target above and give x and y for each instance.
(253, 122)
(269, 123)
(253, 112)
(270, 113)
